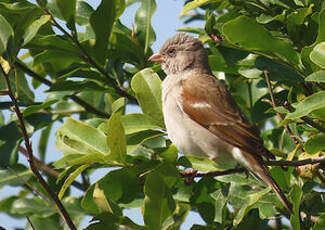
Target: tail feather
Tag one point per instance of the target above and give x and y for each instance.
(261, 171)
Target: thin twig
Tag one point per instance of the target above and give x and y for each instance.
(306, 119)
(75, 98)
(30, 222)
(29, 149)
(51, 171)
(29, 185)
(295, 139)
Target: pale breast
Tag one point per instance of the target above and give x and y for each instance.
(188, 136)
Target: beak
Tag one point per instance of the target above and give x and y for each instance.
(157, 57)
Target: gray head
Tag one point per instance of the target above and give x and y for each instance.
(182, 53)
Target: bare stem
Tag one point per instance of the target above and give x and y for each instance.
(295, 139)
(28, 146)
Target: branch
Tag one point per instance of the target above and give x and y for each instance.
(30, 222)
(78, 100)
(295, 139)
(213, 174)
(296, 163)
(51, 171)
(28, 146)
(306, 119)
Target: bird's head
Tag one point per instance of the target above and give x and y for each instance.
(181, 53)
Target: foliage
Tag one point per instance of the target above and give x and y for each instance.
(95, 67)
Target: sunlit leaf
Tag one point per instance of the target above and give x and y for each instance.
(6, 32)
(308, 105)
(318, 54)
(147, 87)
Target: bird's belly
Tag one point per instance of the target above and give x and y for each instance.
(190, 137)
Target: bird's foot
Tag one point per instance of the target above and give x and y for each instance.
(189, 175)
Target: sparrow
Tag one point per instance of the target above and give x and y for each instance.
(201, 116)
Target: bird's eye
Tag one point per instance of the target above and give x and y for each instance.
(171, 52)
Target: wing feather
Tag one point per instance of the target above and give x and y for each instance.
(209, 103)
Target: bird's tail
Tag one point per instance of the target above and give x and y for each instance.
(261, 171)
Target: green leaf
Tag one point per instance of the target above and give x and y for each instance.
(43, 141)
(85, 85)
(138, 122)
(220, 203)
(83, 13)
(195, 4)
(6, 32)
(36, 108)
(258, 39)
(297, 18)
(25, 94)
(296, 195)
(317, 55)
(15, 175)
(32, 206)
(71, 178)
(102, 21)
(142, 23)
(110, 221)
(32, 30)
(203, 164)
(147, 87)
(315, 143)
(318, 76)
(10, 138)
(58, 59)
(308, 105)
(76, 137)
(320, 224)
(252, 200)
(116, 139)
(67, 9)
(50, 222)
(159, 203)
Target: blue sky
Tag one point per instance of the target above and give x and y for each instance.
(165, 21)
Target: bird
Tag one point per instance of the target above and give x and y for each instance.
(201, 116)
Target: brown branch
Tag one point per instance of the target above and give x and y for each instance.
(295, 139)
(29, 149)
(297, 162)
(214, 174)
(306, 119)
(268, 163)
(75, 98)
(51, 171)
(30, 222)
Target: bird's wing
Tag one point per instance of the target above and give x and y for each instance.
(207, 101)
